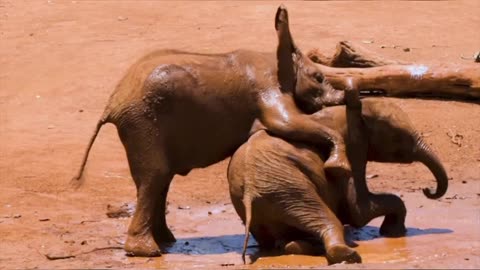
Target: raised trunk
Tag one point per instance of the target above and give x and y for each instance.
(424, 154)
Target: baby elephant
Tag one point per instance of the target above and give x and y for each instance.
(282, 194)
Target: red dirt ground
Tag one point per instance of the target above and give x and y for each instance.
(60, 60)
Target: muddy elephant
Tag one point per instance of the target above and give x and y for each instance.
(175, 111)
(282, 194)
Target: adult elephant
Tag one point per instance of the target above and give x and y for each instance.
(282, 194)
(175, 111)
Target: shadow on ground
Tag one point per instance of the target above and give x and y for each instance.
(234, 243)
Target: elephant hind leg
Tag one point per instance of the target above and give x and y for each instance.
(148, 228)
(151, 173)
(162, 233)
(308, 213)
(256, 222)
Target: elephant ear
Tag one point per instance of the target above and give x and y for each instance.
(286, 51)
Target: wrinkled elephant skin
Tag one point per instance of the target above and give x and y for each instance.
(281, 192)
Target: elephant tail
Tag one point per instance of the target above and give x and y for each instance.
(247, 202)
(76, 181)
(425, 155)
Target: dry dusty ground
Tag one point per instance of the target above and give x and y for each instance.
(60, 60)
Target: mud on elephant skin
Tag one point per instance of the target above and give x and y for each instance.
(175, 111)
(377, 130)
(281, 193)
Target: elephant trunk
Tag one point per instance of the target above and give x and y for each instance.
(424, 154)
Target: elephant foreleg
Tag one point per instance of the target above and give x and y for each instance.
(281, 117)
(368, 206)
(364, 206)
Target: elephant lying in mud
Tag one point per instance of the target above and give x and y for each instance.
(176, 111)
(282, 194)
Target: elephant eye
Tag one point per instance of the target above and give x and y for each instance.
(319, 77)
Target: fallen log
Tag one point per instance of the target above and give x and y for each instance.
(443, 80)
(373, 74)
(349, 55)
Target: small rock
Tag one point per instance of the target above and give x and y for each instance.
(31, 34)
(477, 57)
(406, 49)
(421, 206)
(208, 202)
(209, 213)
(370, 176)
(61, 255)
(367, 41)
(125, 210)
(84, 242)
(44, 219)
(121, 18)
(37, 96)
(467, 259)
(81, 110)
(227, 264)
(71, 242)
(51, 127)
(184, 207)
(17, 216)
(464, 182)
(187, 243)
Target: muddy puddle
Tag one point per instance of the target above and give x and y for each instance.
(443, 233)
(433, 238)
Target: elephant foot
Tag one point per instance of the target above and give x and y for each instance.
(142, 246)
(299, 247)
(392, 229)
(164, 236)
(342, 253)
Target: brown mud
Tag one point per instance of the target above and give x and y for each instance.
(60, 60)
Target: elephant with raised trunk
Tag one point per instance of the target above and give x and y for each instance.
(176, 111)
(282, 194)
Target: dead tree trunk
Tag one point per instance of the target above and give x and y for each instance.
(371, 73)
(348, 55)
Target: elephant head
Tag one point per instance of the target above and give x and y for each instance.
(392, 138)
(300, 75)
